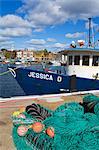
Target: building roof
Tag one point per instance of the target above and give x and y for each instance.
(80, 50)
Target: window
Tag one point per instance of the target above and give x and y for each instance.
(77, 60)
(95, 61)
(70, 60)
(85, 61)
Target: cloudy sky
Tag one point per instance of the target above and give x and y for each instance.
(50, 24)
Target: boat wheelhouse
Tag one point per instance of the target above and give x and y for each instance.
(81, 62)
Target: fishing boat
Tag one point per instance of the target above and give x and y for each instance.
(80, 72)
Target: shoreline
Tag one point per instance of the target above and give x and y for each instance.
(47, 95)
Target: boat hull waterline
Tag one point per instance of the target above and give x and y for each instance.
(39, 82)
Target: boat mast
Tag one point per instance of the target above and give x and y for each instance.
(89, 41)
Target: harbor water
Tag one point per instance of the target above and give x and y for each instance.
(8, 85)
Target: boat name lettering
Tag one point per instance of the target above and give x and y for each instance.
(40, 76)
(59, 79)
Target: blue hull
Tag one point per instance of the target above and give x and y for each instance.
(35, 86)
(39, 82)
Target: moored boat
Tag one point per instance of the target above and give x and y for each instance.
(81, 73)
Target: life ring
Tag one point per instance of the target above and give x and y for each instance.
(12, 71)
(59, 79)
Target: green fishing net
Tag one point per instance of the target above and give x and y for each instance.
(96, 110)
(90, 98)
(74, 129)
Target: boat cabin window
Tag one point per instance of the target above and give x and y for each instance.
(70, 60)
(85, 60)
(77, 60)
(95, 61)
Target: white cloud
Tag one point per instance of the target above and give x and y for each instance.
(10, 21)
(38, 30)
(59, 45)
(15, 32)
(7, 43)
(37, 42)
(3, 39)
(74, 35)
(51, 40)
(14, 26)
(42, 13)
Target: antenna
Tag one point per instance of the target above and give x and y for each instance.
(93, 37)
(89, 42)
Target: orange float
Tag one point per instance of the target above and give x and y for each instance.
(22, 130)
(37, 127)
(81, 43)
(50, 132)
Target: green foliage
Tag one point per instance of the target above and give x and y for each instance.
(3, 49)
(9, 54)
(45, 51)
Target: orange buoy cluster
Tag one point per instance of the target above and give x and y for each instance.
(37, 127)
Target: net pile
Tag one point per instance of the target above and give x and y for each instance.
(69, 126)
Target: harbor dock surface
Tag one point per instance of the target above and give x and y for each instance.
(8, 106)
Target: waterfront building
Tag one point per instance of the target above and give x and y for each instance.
(25, 55)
